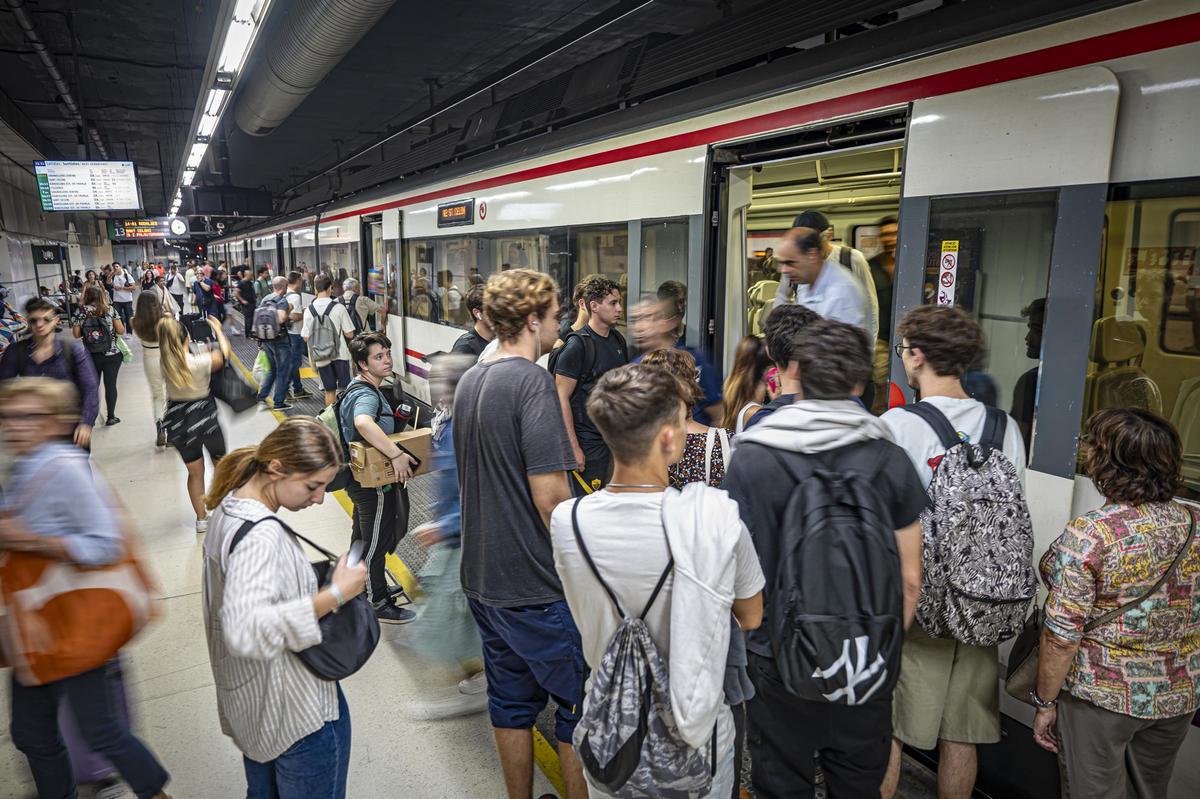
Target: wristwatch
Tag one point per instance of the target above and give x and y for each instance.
(1038, 702)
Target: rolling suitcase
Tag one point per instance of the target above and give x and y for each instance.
(90, 767)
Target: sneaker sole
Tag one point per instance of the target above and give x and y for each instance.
(395, 621)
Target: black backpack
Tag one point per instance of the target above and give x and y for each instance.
(96, 334)
(837, 604)
(586, 376)
(352, 309)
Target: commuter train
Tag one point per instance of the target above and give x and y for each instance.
(1047, 181)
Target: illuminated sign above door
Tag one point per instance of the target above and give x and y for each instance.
(457, 213)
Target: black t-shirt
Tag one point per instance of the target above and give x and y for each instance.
(507, 425)
(782, 401)
(610, 353)
(246, 289)
(883, 291)
(762, 487)
(470, 343)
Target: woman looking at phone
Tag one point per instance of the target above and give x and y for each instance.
(262, 603)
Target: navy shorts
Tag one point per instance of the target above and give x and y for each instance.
(530, 654)
(334, 375)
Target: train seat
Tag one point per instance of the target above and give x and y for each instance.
(1186, 418)
(1119, 380)
(760, 299)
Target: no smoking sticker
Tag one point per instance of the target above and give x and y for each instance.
(947, 272)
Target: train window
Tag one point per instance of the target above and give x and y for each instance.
(1001, 245)
(664, 252)
(1145, 343)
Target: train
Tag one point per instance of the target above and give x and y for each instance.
(1058, 167)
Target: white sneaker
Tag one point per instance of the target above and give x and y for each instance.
(457, 705)
(473, 685)
(201, 526)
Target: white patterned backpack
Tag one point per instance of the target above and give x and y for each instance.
(978, 538)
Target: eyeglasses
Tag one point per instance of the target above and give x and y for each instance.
(900, 348)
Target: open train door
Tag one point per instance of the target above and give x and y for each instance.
(1002, 213)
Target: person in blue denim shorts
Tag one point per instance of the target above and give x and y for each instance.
(513, 454)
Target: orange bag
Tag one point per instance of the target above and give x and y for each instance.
(60, 619)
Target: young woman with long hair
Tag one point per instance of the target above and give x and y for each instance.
(148, 313)
(706, 449)
(262, 603)
(95, 317)
(745, 389)
(191, 419)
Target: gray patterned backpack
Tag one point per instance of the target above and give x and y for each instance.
(626, 739)
(978, 538)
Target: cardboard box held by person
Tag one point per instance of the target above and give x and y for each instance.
(372, 469)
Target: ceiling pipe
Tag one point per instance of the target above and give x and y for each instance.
(315, 35)
(60, 83)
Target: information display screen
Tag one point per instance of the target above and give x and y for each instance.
(455, 214)
(154, 227)
(87, 185)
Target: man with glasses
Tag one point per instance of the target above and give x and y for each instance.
(44, 355)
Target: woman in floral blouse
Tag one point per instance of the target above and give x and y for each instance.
(1132, 683)
(706, 448)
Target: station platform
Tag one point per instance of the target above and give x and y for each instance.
(168, 679)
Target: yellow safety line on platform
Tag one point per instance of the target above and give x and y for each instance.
(544, 754)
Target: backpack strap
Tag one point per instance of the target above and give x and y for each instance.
(845, 257)
(710, 440)
(938, 421)
(993, 428)
(587, 556)
(248, 525)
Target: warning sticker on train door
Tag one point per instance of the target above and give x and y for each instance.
(947, 273)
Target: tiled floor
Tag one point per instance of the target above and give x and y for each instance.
(170, 685)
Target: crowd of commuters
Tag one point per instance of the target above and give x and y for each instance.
(606, 508)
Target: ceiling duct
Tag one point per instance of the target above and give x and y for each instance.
(312, 39)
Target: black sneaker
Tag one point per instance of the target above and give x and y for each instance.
(303, 394)
(282, 406)
(111, 421)
(390, 614)
(397, 591)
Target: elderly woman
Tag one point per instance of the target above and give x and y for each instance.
(74, 523)
(1121, 629)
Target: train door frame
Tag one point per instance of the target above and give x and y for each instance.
(877, 128)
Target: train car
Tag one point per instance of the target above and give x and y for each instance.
(1053, 175)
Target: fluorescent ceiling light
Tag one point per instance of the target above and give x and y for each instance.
(188, 176)
(237, 46)
(207, 126)
(196, 155)
(215, 102)
(247, 9)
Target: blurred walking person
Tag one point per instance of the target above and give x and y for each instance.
(150, 311)
(98, 327)
(74, 523)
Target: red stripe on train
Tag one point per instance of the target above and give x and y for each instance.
(1142, 39)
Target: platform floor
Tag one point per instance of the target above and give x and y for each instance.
(169, 682)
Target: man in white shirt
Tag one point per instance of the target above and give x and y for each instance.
(176, 286)
(947, 693)
(822, 285)
(298, 300)
(123, 286)
(334, 372)
(631, 531)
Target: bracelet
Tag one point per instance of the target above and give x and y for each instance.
(1040, 703)
(337, 596)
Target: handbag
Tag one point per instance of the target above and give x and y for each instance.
(228, 386)
(123, 348)
(349, 635)
(1022, 674)
(61, 619)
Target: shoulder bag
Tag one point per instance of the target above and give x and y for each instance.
(228, 386)
(349, 634)
(60, 619)
(1022, 674)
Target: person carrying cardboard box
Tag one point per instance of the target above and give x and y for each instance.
(380, 513)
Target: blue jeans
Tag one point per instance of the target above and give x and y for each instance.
(299, 350)
(315, 767)
(102, 725)
(279, 355)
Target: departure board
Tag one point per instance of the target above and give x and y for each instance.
(87, 185)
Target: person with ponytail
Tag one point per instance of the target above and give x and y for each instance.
(191, 418)
(150, 310)
(262, 603)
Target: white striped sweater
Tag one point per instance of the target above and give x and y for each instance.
(257, 612)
